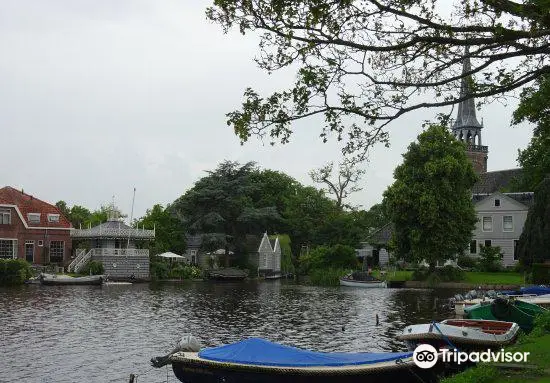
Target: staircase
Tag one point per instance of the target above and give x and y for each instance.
(82, 258)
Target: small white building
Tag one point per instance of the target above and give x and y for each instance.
(269, 256)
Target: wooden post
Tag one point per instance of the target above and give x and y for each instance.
(132, 377)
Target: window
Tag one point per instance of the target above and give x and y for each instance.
(193, 252)
(516, 250)
(5, 217)
(487, 224)
(487, 243)
(7, 248)
(53, 217)
(56, 251)
(40, 243)
(473, 247)
(33, 217)
(497, 202)
(507, 223)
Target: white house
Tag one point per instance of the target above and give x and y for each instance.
(269, 256)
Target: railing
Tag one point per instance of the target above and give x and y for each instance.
(478, 148)
(120, 232)
(120, 252)
(82, 257)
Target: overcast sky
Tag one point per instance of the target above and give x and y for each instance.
(99, 96)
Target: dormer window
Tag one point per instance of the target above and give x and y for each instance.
(54, 218)
(33, 217)
(5, 217)
(497, 202)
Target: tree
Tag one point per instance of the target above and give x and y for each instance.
(79, 216)
(376, 60)
(220, 206)
(344, 183)
(62, 206)
(430, 202)
(534, 241)
(535, 159)
(169, 233)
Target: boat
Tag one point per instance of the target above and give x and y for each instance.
(259, 360)
(529, 290)
(227, 274)
(462, 334)
(509, 310)
(53, 279)
(541, 300)
(361, 279)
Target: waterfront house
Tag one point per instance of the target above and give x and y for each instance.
(501, 217)
(115, 245)
(192, 252)
(32, 229)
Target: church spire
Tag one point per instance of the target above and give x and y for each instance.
(466, 117)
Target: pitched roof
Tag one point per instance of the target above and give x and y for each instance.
(491, 182)
(193, 241)
(526, 198)
(29, 204)
(381, 236)
(466, 117)
(113, 229)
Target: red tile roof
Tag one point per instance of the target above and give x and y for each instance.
(29, 204)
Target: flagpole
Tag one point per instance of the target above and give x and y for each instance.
(131, 218)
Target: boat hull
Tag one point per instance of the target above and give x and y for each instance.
(465, 335)
(363, 284)
(517, 311)
(192, 371)
(70, 281)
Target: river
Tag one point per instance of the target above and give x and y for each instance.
(102, 334)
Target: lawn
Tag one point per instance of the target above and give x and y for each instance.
(477, 277)
(398, 275)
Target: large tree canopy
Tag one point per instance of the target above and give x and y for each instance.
(374, 59)
(430, 202)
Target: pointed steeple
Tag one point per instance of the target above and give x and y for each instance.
(466, 117)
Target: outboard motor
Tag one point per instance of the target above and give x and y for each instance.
(187, 343)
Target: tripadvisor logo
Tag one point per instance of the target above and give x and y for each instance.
(425, 356)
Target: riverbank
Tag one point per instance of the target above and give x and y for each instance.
(536, 370)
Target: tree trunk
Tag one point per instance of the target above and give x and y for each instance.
(432, 267)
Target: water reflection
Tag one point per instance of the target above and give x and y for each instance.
(80, 333)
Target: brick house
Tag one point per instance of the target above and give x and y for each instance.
(32, 229)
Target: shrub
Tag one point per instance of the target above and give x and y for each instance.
(466, 262)
(14, 271)
(159, 270)
(93, 268)
(443, 274)
(323, 257)
(327, 277)
(541, 273)
(184, 272)
(490, 258)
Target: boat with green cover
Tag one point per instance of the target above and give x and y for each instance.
(508, 310)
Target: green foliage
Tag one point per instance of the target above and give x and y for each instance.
(467, 262)
(359, 72)
(169, 233)
(14, 271)
(287, 259)
(535, 159)
(481, 374)
(490, 258)
(158, 269)
(93, 268)
(443, 274)
(541, 325)
(534, 242)
(500, 278)
(323, 257)
(430, 201)
(327, 277)
(541, 273)
(180, 271)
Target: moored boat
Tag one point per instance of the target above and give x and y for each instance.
(464, 334)
(258, 360)
(361, 279)
(509, 310)
(57, 280)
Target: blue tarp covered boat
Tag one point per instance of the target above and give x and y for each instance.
(258, 360)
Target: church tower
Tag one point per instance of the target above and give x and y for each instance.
(466, 127)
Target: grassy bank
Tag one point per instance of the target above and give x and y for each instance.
(507, 278)
(536, 370)
(398, 275)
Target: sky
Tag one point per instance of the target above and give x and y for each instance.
(98, 97)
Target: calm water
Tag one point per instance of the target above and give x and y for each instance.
(102, 334)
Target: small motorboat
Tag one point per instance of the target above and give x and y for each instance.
(464, 334)
(506, 309)
(259, 360)
(541, 300)
(361, 279)
(57, 280)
